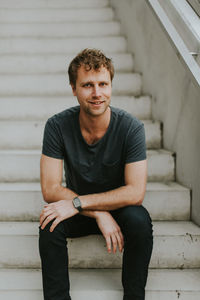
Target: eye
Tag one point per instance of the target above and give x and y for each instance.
(103, 83)
(87, 85)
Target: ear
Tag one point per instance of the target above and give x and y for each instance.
(73, 89)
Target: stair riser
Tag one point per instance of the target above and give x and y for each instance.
(42, 108)
(27, 206)
(61, 45)
(28, 135)
(168, 252)
(52, 3)
(102, 295)
(31, 64)
(24, 167)
(57, 85)
(55, 15)
(102, 284)
(60, 30)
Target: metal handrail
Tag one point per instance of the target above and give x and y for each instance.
(177, 42)
(195, 5)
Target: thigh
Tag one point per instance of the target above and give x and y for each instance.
(133, 219)
(80, 225)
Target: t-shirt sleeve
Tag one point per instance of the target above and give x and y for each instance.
(52, 140)
(136, 144)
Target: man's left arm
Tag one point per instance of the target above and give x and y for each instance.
(132, 193)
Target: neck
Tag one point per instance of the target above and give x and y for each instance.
(93, 124)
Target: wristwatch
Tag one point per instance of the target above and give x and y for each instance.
(77, 203)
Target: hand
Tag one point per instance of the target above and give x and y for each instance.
(111, 231)
(60, 210)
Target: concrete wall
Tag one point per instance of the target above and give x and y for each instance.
(175, 99)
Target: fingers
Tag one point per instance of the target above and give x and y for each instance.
(54, 224)
(114, 240)
(47, 220)
(44, 214)
(47, 215)
(108, 243)
(120, 241)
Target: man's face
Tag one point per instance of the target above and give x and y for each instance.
(93, 90)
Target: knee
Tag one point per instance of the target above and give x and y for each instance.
(137, 221)
(46, 238)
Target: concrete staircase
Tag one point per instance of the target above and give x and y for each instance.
(38, 39)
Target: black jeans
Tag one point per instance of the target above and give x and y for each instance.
(136, 226)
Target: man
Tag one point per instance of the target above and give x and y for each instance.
(104, 154)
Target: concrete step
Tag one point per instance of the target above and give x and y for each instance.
(161, 200)
(55, 15)
(30, 64)
(23, 165)
(61, 45)
(41, 108)
(176, 245)
(102, 284)
(29, 134)
(53, 3)
(73, 29)
(57, 85)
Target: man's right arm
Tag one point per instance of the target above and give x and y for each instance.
(51, 174)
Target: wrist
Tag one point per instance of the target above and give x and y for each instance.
(100, 213)
(77, 204)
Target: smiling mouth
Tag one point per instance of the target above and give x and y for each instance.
(96, 102)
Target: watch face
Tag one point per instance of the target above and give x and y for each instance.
(77, 202)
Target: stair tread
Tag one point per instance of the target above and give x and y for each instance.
(35, 108)
(161, 228)
(29, 134)
(116, 44)
(35, 15)
(64, 29)
(18, 4)
(36, 151)
(161, 200)
(54, 63)
(162, 280)
(56, 84)
(35, 186)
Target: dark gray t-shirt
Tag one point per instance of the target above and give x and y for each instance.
(98, 167)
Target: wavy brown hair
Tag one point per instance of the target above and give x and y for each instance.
(91, 59)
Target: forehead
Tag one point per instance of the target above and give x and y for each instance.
(102, 74)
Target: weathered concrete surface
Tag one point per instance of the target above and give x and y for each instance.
(102, 285)
(24, 165)
(23, 201)
(176, 101)
(176, 245)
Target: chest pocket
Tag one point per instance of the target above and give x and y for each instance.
(112, 172)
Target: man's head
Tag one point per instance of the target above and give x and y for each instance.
(90, 59)
(90, 75)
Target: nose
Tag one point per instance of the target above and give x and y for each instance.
(96, 91)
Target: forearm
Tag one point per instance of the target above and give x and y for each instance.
(57, 193)
(114, 199)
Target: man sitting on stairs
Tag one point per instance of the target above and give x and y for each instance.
(104, 154)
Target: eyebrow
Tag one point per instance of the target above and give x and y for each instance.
(91, 82)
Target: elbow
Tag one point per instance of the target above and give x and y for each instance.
(137, 197)
(140, 198)
(47, 194)
(139, 202)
